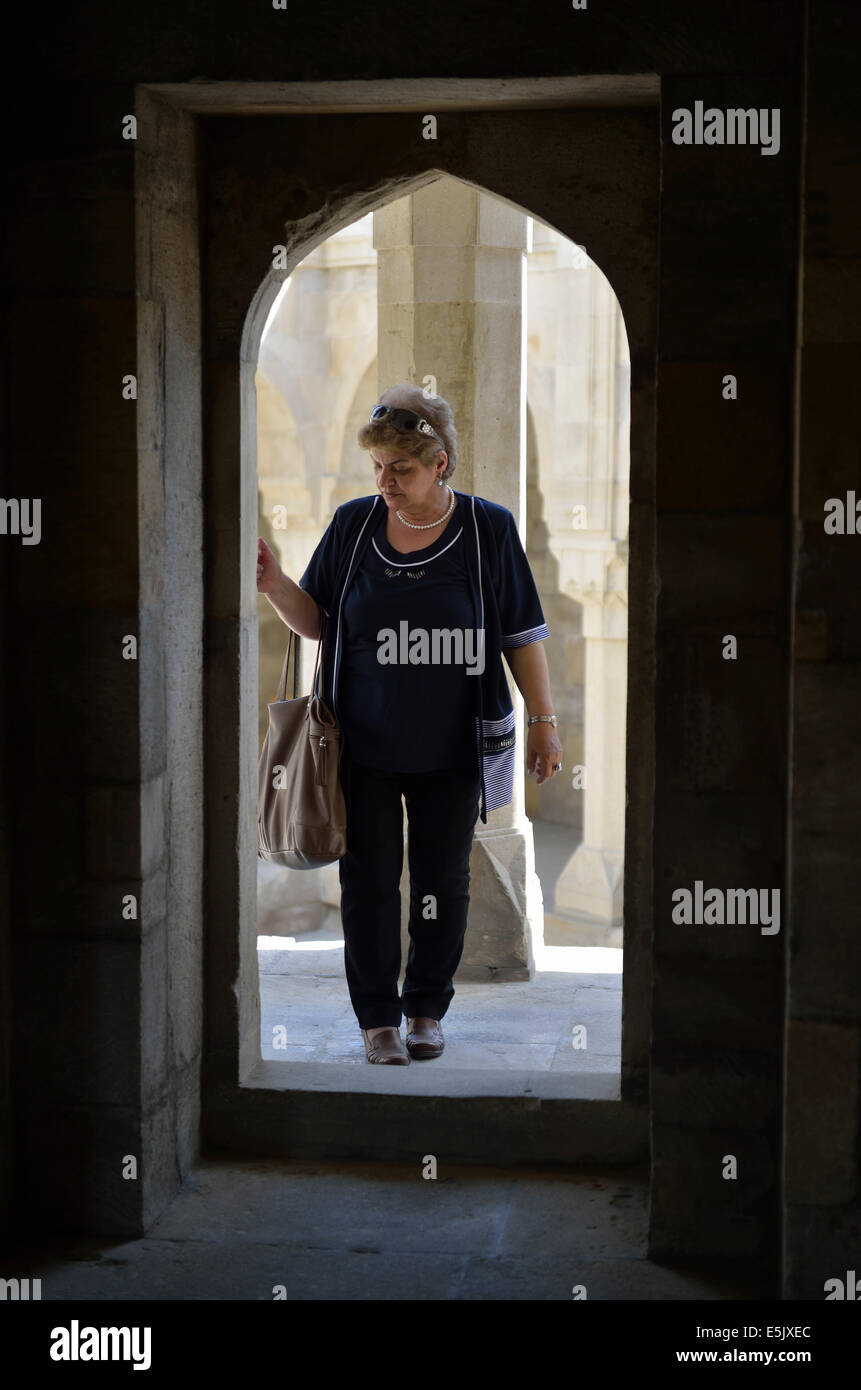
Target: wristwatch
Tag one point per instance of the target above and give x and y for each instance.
(542, 719)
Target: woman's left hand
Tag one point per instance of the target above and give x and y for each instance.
(543, 751)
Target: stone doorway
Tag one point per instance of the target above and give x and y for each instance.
(247, 205)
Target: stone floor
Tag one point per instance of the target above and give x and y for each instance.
(380, 1232)
(524, 1027)
(370, 1232)
(365, 1232)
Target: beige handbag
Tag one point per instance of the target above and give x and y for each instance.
(301, 813)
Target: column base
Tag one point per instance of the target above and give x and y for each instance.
(589, 892)
(295, 902)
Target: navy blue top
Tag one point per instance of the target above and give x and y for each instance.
(407, 702)
(506, 607)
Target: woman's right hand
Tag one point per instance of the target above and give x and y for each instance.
(268, 568)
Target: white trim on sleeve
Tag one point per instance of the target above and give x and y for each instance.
(523, 639)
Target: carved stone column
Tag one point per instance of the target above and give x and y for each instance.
(590, 887)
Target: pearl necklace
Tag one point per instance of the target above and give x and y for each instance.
(427, 525)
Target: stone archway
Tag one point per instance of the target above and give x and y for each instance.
(448, 304)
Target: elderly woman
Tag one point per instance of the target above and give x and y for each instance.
(425, 587)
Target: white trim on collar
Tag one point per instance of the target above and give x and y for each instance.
(405, 564)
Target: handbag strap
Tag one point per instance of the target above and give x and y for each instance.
(281, 693)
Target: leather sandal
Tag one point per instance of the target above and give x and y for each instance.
(424, 1038)
(386, 1046)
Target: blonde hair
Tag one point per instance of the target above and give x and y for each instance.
(437, 412)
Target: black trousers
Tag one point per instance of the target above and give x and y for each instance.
(442, 809)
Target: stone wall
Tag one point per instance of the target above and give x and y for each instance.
(107, 759)
(822, 1160)
(729, 246)
(7, 1078)
(78, 782)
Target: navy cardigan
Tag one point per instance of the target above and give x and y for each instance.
(505, 602)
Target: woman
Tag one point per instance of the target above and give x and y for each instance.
(424, 588)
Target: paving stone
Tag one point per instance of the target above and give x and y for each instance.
(171, 1271)
(390, 1208)
(586, 1214)
(512, 1028)
(542, 1278)
(568, 1059)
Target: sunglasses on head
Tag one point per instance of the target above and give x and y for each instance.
(403, 419)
